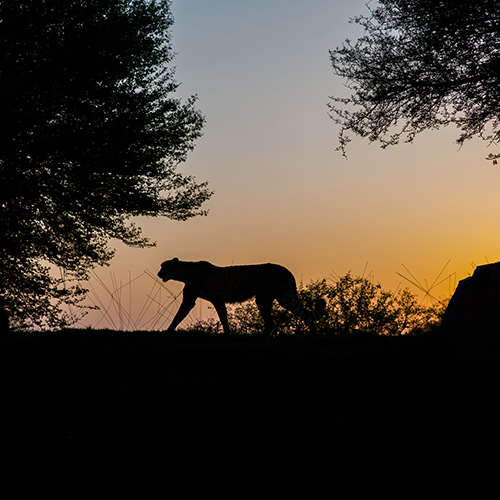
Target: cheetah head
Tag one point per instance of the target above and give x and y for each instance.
(168, 268)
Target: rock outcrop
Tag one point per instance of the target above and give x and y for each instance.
(472, 318)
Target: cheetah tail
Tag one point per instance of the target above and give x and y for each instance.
(320, 308)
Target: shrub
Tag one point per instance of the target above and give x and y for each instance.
(353, 304)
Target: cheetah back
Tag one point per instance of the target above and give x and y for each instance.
(240, 283)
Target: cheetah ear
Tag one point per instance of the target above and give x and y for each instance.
(175, 259)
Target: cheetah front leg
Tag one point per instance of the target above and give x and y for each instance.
(188, 302)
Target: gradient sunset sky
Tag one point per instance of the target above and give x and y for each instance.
(283, 194)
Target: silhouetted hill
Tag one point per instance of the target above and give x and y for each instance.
(192, 413)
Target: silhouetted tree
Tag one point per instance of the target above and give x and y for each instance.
(420, 65)
(90, 136)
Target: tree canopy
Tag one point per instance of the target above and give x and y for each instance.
(90, 136)
(421, 64)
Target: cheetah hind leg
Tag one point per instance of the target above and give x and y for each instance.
(265, 306)
(220, 307)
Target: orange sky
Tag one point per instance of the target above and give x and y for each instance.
(282, 194)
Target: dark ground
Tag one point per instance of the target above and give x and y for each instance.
(150, 415)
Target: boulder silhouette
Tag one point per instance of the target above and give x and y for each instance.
(472, 318)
